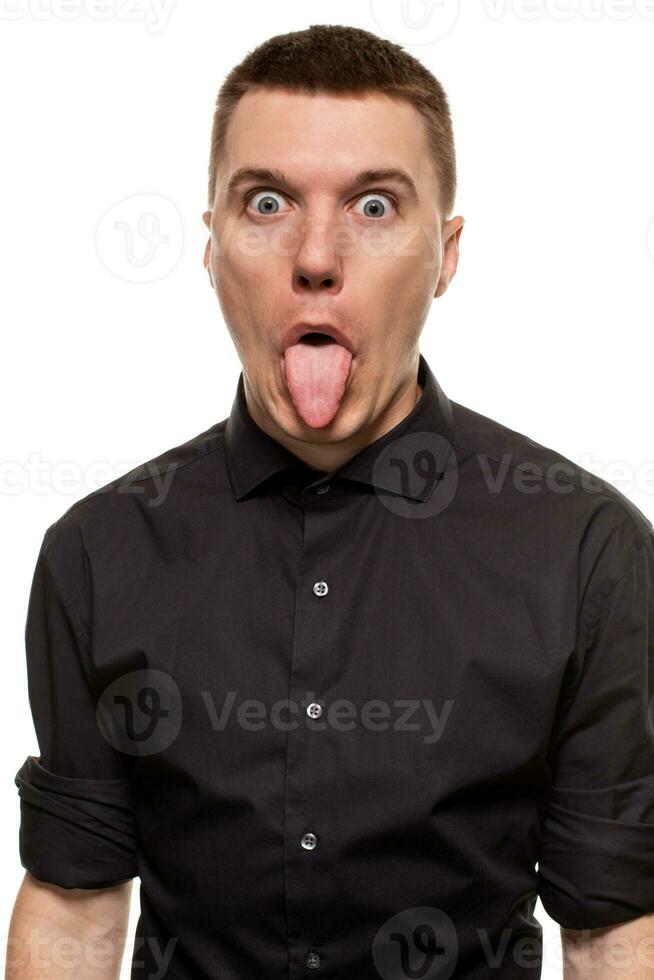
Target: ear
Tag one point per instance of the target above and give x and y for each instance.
(206, 261)
(451, 234)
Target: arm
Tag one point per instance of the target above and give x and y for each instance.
(77, 834)
(58, 933)
(596, 862)
(621, 952)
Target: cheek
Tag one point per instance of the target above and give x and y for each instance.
(239, 280)
(251, 262)
(250, 292)
(417, 256)
(406, 252)
(396, 281)
(234, 298)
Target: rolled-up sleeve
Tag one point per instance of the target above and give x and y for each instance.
(596, 866)
(77, 827)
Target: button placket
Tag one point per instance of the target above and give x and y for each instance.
(307, 843)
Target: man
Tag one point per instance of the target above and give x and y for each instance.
(372, 671)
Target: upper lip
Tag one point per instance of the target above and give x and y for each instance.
(298, 330)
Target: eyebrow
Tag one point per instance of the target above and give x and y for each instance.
(371, 176)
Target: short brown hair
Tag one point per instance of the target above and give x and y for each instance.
(334, 58)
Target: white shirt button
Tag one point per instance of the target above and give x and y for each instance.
(321, 588)
(314, 710)
(309, 841)
(323, 488)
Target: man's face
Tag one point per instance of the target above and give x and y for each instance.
(315, 248)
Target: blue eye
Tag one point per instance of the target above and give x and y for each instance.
(267, 203)
(374, 208)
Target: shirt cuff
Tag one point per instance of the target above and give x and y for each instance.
(596, 870)
(76, 833)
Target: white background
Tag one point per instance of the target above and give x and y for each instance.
(111, 356)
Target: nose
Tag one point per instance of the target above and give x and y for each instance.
(317, 266)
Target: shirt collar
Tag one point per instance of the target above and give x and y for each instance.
(252, 455)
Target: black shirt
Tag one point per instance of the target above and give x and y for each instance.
(332, 721)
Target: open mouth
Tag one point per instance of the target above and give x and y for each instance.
(314, 337)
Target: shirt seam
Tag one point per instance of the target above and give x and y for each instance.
(601, 597)
(568, 482)
(82, 633)
(148, 476)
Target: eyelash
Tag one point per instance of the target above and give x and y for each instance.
(258, 190)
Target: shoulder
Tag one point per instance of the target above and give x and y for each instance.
(166, 480)
(554, 510)
(493, 444)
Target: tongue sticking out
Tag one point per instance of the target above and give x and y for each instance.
(316, 372)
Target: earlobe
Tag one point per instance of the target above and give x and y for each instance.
(206, 217)
(206, 261)
(443, 283)
(450, 254)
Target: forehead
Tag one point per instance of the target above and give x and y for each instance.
(322, 135)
